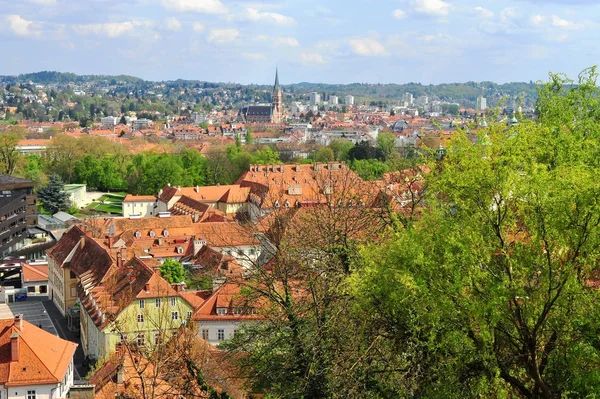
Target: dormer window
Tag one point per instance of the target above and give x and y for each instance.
(179, 250)
(287, 204)
(221, 311)
(276, 204)
(152, 233)
(138, 234)
(165, 233)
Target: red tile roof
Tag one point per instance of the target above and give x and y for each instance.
(43, 358)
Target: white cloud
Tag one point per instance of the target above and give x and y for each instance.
(198, 27)
(201, 6)
(44, 2)
(367, 47)
(23, 27)
(109, 29)
(538, 19)
(254, 56)
(556, 21)
(508, 14)
(220, 36)
(485, 13)
(172, 24)
(399, 14)
(432, 7)
(312, 58)
(252, 14)
(286, 41)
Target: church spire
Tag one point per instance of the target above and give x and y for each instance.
(276, 79)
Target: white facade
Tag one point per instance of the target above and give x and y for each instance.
(141, 123)
(217, 331)
(349, 100)
(481, 103)
(109, 121)
(315, 98)
(333, 100)
(144, 208)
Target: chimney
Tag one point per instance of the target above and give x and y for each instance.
(119, 259)
(178, 287)
(147, 287)
(160, 240)
(14, 347)
(19, 321)
(197, 188)
(120, 375)
(81, 242)
(196, 217)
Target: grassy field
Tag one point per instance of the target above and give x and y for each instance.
(108, 203)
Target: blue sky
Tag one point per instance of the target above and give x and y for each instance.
(330, 41)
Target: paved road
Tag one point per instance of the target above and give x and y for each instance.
(42, 312)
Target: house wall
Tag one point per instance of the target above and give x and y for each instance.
(143, 208)
(43, 391)
(156, 319)
(246, 255)
(213, 327)
(56, 285)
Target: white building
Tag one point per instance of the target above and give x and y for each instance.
(407, 99)
(349, 100)
(141, 123)
(139, 206)
(35, 363)
(315, 98)
(109, 121)
(297, 108)
(481, 103)
(333, 100)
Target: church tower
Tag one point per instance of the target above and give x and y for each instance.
(277, 101)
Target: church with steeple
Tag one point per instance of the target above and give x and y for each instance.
(266, 113)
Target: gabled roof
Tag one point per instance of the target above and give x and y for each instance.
(34, 273)
(43, 357)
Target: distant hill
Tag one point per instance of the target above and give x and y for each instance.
(460, 92)
(49, 77)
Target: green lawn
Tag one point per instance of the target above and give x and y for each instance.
(108, 203)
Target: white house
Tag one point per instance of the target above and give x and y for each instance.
(34, 364)
(139, 205)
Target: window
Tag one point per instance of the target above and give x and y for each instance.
(142, 303)
(157, 302)
(73, 292)
(173, 301)
(205, 333)
(140, 318)
(140, 339)
(220, 334)
(71, 274)
(189, 315)
(174, 315)
(31, 395)
(165, 233)
(221, 311)
(157, 338)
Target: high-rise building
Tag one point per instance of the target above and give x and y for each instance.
(407, 98)
(18, 210)
(349, 100)
(315, 98)
(333, 100)
(481, 103)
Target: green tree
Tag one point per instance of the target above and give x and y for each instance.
(341, 148)
(249, 139)
(386, 142)
(53, 197)
(9, 154)
(172, 271)
(490, 293)
(324, 154)
(123, 121)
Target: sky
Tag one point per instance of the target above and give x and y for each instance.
(326, 41)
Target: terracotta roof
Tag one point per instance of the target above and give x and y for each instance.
(228, 296)
(139, 198)
(34, 273)
(43, 357)
(233, 193)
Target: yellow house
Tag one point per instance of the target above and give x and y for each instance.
(74, 254)
(133, 303)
